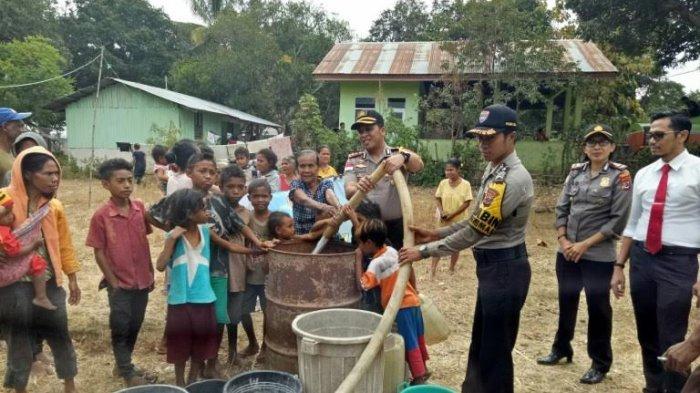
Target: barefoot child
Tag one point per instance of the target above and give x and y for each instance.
(228, 264)
(191, 329)
(453, 196)
(260, 194)
(383, 272)
(118, 234)
(13, 249)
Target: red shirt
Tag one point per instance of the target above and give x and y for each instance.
(10, 244)
(123, 240)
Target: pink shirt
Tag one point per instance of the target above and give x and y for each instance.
(123, 240)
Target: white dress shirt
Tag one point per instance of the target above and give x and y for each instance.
(681, 222)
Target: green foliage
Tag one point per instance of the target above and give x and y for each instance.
(308, 132)
(407, 21)
(23, 18)
(399, 134)
(434, 170)
(166, 136)
(71, 168)
(669, 29)
(258, 57)
(140, 41)
(663, 96)
(30, 60)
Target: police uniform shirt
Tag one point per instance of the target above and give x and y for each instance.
(384, 194)
(503, 207)
(591, 204)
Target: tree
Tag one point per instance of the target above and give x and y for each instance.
(210, 9)
(22, 18)
(235, 66)
(499, 44)
(664, 96)
(669, 29)
(407, 21)
(30, 60)
(308, 132)
(259, 57)
(140, 41)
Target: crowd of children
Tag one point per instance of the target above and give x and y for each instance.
(214, 256)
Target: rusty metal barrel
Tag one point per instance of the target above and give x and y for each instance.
(300, 282)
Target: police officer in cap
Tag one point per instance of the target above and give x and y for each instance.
(370, 128)
(496, 230)
(590, 215)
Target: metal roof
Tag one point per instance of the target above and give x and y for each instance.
(425, 61)
(193, 103)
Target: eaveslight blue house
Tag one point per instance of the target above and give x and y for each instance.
(128, 112)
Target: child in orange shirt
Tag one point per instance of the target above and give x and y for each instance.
(383, 271)
(13, 248)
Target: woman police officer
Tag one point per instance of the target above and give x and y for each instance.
(590, 214)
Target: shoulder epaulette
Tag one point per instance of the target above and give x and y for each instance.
(578, 166)
(618, 166)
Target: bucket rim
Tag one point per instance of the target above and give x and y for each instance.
(275, 250)
(286, 374)
(332, 340)
(157, 385)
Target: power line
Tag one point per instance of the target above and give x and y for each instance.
(50, 79)
(683, 73)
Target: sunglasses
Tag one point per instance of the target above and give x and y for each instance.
(658, 135)
(599, 142)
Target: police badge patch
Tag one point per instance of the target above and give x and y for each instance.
(483, 116)
(489, 196)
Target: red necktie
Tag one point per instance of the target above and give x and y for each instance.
(656, 217)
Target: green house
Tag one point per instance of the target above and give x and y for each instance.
(129, 111)
(391, 77)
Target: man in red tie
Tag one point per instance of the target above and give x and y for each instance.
(662, 240)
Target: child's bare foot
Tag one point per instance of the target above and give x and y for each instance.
(233, 360)
(44, 303)
(250, 350)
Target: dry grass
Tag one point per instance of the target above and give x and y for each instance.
(454, 295)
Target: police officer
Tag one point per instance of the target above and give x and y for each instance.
(496, 229)
(370, 128)
(590, 215)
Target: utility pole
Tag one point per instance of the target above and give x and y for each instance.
(94, 121)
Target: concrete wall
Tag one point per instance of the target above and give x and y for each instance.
(381, 92)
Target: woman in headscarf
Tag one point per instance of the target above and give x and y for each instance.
(35, 180)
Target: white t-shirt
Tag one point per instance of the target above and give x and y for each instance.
(178, 181)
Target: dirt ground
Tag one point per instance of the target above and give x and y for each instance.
(454, 294)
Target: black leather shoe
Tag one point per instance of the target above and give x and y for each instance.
(553, 358)
(592, 376)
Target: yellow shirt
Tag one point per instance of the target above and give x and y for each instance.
(327, 172)
(453, 197)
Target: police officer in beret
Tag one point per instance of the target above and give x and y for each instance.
(370, 128)
(496, 230)
(590, 215)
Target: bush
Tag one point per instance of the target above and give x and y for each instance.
(434, 170)
(71, 168)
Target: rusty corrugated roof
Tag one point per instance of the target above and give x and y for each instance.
(426, 61)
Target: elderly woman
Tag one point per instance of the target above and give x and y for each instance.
(288, 172)
(590, 214)
(310, 194)
(35, 180)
